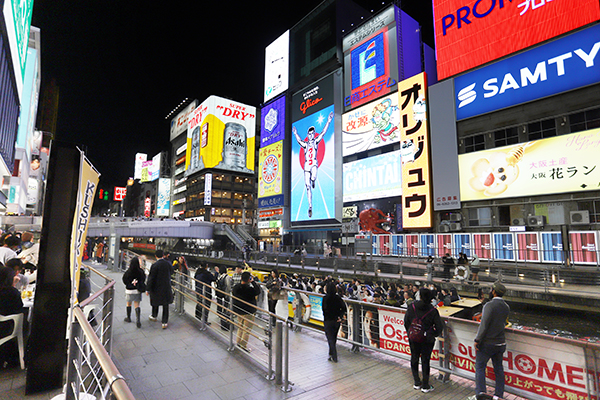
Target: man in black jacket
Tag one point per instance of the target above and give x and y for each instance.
(432, 326)
(334, 310)
(158, 287)
(204, 279)
(244, 304)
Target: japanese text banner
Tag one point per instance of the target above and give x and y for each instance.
(566, 163)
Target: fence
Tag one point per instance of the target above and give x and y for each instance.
(90, 370)
(263, 337)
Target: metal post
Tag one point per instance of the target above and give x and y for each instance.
(73, 359)
(278, 352)
(231, 326)
(356, 332)
(270, 373)
(107, 315)
(286, 340)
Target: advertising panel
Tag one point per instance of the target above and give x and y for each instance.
(221, 135)
(416, 189)
(504, 245)
(374, 125)
(313, 153)
(17, 20)
(412, 244)
(469, 33)
(154, 168)
(528, 246)
(565, 64)
(270, 177)
(164, 197)
(552, 248)
(393, 336)
(207, 189)
(277, 60)
(584, 247)
(482, 245)
(373, 178)
(444, 244)
(398, 245)
(370, 60)
(272, 128)
(427, 244)
(146, 167)
(179, 124)
(119, 193)
(139, 159)
(384, 245)
(566, 163)
(462, 243)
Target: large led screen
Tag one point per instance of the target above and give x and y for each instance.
(313, 153)
(370, 126)
(416, 168)
(221, 135)
(565, 64)
(469, 33)
(277, 63)
(272, 128)
(566, 163)
(370, 60)
(373, 178)
(270, 176)
(17, 20)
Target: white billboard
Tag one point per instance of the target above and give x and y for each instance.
(164, 197)
(139, 159)
(277, 66)
(373, 178)
(179, 123)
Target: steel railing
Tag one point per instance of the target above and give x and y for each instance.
(90, 369)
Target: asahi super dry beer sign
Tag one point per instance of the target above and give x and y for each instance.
(221, 134)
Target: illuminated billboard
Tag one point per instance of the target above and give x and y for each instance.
(416, 171)
(17, 20)
(370, 126)
(370, 60)
(140, 158)
(277, 61)
(272, 128)
(373, 178)
(469, 33)
(564, 64)
(164, 197)
(179, 123)
(221, 135)
(270, 177)
(559, 164)
(313, 153)
(119, 193)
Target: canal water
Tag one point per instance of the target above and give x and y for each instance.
(552, 321)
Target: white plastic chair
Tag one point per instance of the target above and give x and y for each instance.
(16, 333)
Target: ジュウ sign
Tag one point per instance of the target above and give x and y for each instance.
(469, 33)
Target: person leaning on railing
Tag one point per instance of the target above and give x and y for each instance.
(243, 293)
(10, 303)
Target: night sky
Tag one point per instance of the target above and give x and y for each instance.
(123, 66)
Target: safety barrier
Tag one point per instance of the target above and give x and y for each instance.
(90, 370)
(266, 335)
(537, 366)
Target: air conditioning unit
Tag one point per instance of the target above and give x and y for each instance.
(518, 221)
(445, 228)
(455, 217)
(455, 226)
(535, 220)
(580, 217)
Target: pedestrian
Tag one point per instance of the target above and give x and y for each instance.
(10, 303)
(204, 280)
(274, 287)
(237, 275)
(475, 269)
(223, 292)
(244, 304)
(430, 269)
(135, 284)
(334, 310)
(426, 317)
(490, 341)
(158, 287)
(448, 262)
(9, 248)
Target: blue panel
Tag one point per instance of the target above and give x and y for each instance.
(427, 245)
(462, 243)
(564, 64)
(504, 246)
(397, 245)
(368, 61)
(409, 45)
(375, 245)
(552, 249)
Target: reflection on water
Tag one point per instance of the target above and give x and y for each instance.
(551, 321)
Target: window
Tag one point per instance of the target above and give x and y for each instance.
(474, 143)
(480, 216)
(582, 121)
(507, 136)
(542, 129)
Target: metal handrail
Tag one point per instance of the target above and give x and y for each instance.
(116, 381)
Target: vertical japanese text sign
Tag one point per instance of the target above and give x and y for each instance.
(416, 188)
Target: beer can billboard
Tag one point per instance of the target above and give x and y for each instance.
(221, 135)
(270, 179)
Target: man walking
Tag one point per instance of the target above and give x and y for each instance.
(244, 304)
(159, 287)
(223, 292)
(490, 342)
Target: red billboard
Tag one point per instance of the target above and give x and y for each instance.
(469, 33)
(119, 193)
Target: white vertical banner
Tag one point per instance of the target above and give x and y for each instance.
(208, 189)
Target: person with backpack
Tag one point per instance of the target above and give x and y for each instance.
(423, 324)
(135, 284)
(224, 285)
